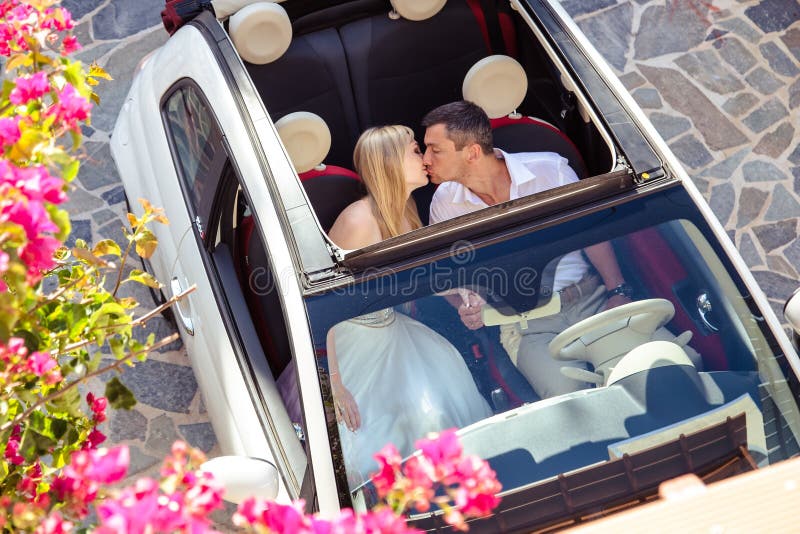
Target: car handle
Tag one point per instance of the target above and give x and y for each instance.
(705, 308)
(177, 289)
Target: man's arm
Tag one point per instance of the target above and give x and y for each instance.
(605, 262)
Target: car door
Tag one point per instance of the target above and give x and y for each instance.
(222, 151)
(220, 334)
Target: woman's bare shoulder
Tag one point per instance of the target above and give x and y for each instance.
(356, 226)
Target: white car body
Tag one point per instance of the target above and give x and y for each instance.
(241, 394)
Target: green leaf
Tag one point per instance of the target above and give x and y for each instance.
(69, 402)
(70, 170)
(61, 219)
(47, 426)
(117, 347)
(146, 243)
(107, 247)
(144, 278)
(118, 395)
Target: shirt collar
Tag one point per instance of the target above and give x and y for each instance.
(519, 173)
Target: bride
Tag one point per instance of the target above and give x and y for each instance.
(394, 379)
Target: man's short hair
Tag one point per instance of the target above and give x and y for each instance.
(465, 123)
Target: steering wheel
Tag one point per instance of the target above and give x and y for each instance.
(604, 338)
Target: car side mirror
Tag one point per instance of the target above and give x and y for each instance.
(244, 477)
(791, 311)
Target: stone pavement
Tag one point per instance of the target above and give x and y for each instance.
(718, 79)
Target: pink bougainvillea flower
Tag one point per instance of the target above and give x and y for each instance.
(108, 465)
(31, 216)
(386, 522)
(40, 363)
(442, 448)
(58, 19)
(477, 492)
(130, 511)
(98, 406)
(249, 512)
(12, 452)
(71, 108)
(274, 516)
(35, 182)
(44, 365)
(3, 268)
(70, 45)
(94, 439)
(388, 465)
(54, 524)
(29, 88)
(9, 131)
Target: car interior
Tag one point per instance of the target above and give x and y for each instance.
(336, 70)
(361, 63)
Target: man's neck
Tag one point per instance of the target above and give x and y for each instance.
(491, 181)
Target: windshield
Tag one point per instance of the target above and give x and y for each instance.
(557, 371)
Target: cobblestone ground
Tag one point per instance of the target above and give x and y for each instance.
(718, 79)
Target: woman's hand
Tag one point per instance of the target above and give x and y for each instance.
(345, 406)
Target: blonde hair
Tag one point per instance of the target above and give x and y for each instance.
(378, 159)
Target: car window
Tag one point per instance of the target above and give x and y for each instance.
(553, 383)
(196, 144)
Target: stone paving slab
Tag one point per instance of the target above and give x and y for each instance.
(718, 79)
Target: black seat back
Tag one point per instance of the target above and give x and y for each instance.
(312, 76)
(402, 69)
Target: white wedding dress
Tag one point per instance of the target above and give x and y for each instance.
(407, 381)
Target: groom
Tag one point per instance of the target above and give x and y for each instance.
(460, 156)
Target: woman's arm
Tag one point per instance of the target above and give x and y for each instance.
(344, 404)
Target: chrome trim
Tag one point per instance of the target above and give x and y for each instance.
(585, 106)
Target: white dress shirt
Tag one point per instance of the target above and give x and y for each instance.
(531, 172)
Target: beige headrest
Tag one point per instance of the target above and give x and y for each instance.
(306, 137)
(418, 9)
(261, 32)
(225, 8)
(497, 84)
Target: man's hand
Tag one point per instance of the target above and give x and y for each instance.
(616, 300)
(470, 309)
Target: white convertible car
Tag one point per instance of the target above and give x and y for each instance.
(243, 126)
